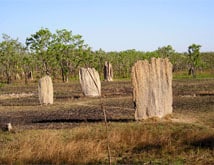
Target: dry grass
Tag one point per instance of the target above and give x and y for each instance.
(50, 146)
(186, 137)
(130, 143)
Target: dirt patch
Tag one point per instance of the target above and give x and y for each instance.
(71, 108)
(183, 119)
(15, 95)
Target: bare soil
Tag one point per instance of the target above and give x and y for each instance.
(193, 102)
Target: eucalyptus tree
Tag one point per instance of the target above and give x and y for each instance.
(101, 57)
(169, 52)
(27, 64)
(124, 60)
(166, 51)
(89, 59)
(58, 51)
(10, 53)
(63, 47)
(38, 45)
(193, 58)
(80, 53)
(59, 47)
(69, 50)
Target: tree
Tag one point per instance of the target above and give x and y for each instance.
(59, 47)
(166, 51)
(78, 53)
(27, 64)
(101, 57)
(193, 58)
(38, 44)
(60, 50)
(10, 52)
(68, 50)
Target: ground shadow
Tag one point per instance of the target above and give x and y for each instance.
(207, 143)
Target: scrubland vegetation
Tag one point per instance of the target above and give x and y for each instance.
(131, 143)
(62, 53)
(72, 130)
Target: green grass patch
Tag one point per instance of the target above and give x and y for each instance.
(199, 75)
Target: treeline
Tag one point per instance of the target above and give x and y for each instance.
(62, 53)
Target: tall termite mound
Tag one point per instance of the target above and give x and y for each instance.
(152, 88)
(108, 71)
(90, 82)
(45, 88)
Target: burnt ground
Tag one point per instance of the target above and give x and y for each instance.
(193, 101)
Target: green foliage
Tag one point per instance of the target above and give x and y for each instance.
(194, 54)
(124, 60)
(61, 50)
(194, 58)
(10, 53)
(166, 51)
(207, 59)
(1, 85)
(38, 45)
(62, 54)
(28, 63)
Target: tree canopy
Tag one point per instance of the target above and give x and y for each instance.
(62, 53)
(193, 58)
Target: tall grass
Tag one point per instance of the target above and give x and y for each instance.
(130, 143)
(51, 146)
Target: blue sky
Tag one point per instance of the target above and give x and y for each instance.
(115, 25)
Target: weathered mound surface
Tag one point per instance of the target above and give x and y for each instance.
(45, 90)
(108, 71)
(152, 88)
(90, 82)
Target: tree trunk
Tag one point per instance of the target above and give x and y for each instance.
(26, 77)
(8, 77)
(192, 71)
(64, 76)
